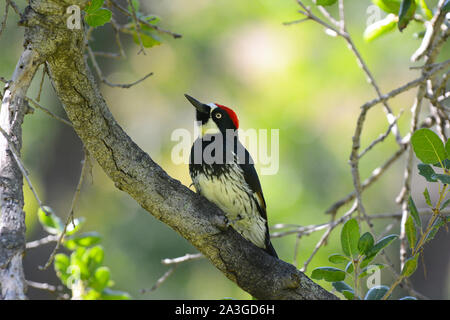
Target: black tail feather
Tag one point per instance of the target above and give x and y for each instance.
(271, 250)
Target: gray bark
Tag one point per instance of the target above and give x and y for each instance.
(12, 217)
(134, 172)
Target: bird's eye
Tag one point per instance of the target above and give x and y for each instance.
(218, 115)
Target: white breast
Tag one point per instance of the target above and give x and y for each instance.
(231, 194)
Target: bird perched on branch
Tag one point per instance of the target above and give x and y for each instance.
(222, 170)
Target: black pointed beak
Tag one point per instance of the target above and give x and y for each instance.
(201, 107)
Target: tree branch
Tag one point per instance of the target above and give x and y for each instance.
(12, 217)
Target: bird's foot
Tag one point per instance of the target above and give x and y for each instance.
(233, 221)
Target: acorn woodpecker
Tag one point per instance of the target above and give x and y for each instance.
(222, 170)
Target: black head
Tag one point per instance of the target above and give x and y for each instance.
(223, 118)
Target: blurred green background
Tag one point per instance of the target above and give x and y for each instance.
(238, 53)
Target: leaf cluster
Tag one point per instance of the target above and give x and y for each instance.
(84, 267)
(399, 14)
(358, 252)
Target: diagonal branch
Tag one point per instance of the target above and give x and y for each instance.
(134, 172)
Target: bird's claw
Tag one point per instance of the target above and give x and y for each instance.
(233, 221)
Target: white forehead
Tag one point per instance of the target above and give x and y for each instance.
(212, 105)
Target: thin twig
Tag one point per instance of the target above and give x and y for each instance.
(154, 27)
(14, 6)
(186, 257)
(327, 233)
(341, 31)
(376, 174)
(37, 243)
(48, 112)
(116, 29)
(5, 18)
(407, 86)
(301, 231)
(430, 53)
(380, 138)
(72, 207)
(45, 286)
(432, 31)
(103, 79)
(161, 280)
(137, 25)
(111, 55)
(22, 168)
(44, 71)
(295, 21)
(174, 263)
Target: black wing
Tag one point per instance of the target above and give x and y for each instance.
(252, 180)
(251, 177)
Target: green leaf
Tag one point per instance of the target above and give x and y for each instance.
(329, 274)
(431, 234)
(367, 270)
(136, 6)
(383, 243)
(78, 224)
(350, 238)
(444, 178)
(380, 28)
(337, 258)
(436, 225)
(93, 258)
(427, 12)
(376, 293)
(428, 147)
(101, 278)
(411, 232)
(49, 221)
(92, 295)
(414, 212)
(148, 39)
(349, 267)
(98, 17)
(445, 163)
(446, 203)
(341, 286)
(447, 144)
(94, 5)
(345, 289)
(325, 2)
(427, 197)
(78, 267)
(389, 6)
(365, 262)
(152, 19)
(86, 239)
(410, 266)
(349, 295)
(96, 255)
(446, 7)
(108, 294)
(406, 13)
(426, 171)
(61, 263)
(365, 243)
(408, 298)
